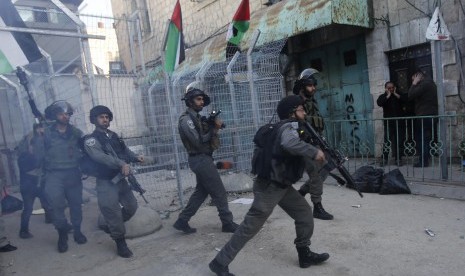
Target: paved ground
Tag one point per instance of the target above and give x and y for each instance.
(385, 236)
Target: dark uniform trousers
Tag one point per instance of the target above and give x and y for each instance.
(110, 199)
(314, 184)
(266, 196)
(61, 186)
(30, 189)
(208, 183)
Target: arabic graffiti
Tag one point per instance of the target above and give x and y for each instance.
(354, 138)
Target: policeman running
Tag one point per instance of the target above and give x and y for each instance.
(288, 152)
(116, 201)
(305, 87)
(200, 140)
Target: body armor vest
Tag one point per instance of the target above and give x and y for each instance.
(313, 115)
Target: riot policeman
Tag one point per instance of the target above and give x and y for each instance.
(305, 87)
(62, 174)
(115, 200)
(278, 190)
(200, 140)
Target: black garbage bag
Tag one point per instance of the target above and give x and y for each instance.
(11, 204)
(394, 183)
(368, 179)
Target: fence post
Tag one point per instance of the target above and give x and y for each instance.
(200, 75)
(253, 93)
(173, 132)
(441, 108)
(236, 139)
(141, 48)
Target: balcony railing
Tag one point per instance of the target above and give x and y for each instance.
(427, 148)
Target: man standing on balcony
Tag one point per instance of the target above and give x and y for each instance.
(423, 93)
(305, 87)
(394, 130)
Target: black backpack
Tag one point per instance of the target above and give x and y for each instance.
(265, 139)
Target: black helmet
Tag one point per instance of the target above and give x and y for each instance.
(307, 77)
(58, 107)
(98, 110)
(193, 90)
(288, 105)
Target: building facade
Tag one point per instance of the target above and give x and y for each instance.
(357, 45)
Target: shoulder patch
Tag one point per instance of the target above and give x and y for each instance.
(90, 142)
(190, 124)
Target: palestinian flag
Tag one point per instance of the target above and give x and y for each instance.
(237, 28)
(16, 48)
(174, 49)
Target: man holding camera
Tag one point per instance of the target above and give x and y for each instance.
(200, 140)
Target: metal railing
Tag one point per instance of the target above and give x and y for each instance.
(412, 144)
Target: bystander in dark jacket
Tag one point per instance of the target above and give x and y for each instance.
(423, 93)
(392, 102)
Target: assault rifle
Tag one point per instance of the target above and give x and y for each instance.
(336, 159)
(133, 182)
(24, 82)
(212, 117)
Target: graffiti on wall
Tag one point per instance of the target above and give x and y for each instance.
(354, 124)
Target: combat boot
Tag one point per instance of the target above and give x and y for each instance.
(8, 248)
(79, 237)
(25, 234)
(62, 240)
(308, 258)
(219, 269)
(122, 248)
(182, 225)
(229, 227)
(320, 213)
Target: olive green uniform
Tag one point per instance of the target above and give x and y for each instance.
(269, 193)
(314, 184)
(200, 141)
(116, 200)
(62, 175)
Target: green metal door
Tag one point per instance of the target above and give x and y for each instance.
(343, 94)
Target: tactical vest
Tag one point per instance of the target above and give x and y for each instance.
(109, 145)
(62, 149)
(313, 115)
(287, 168)
(113, 142)
(202, 129)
